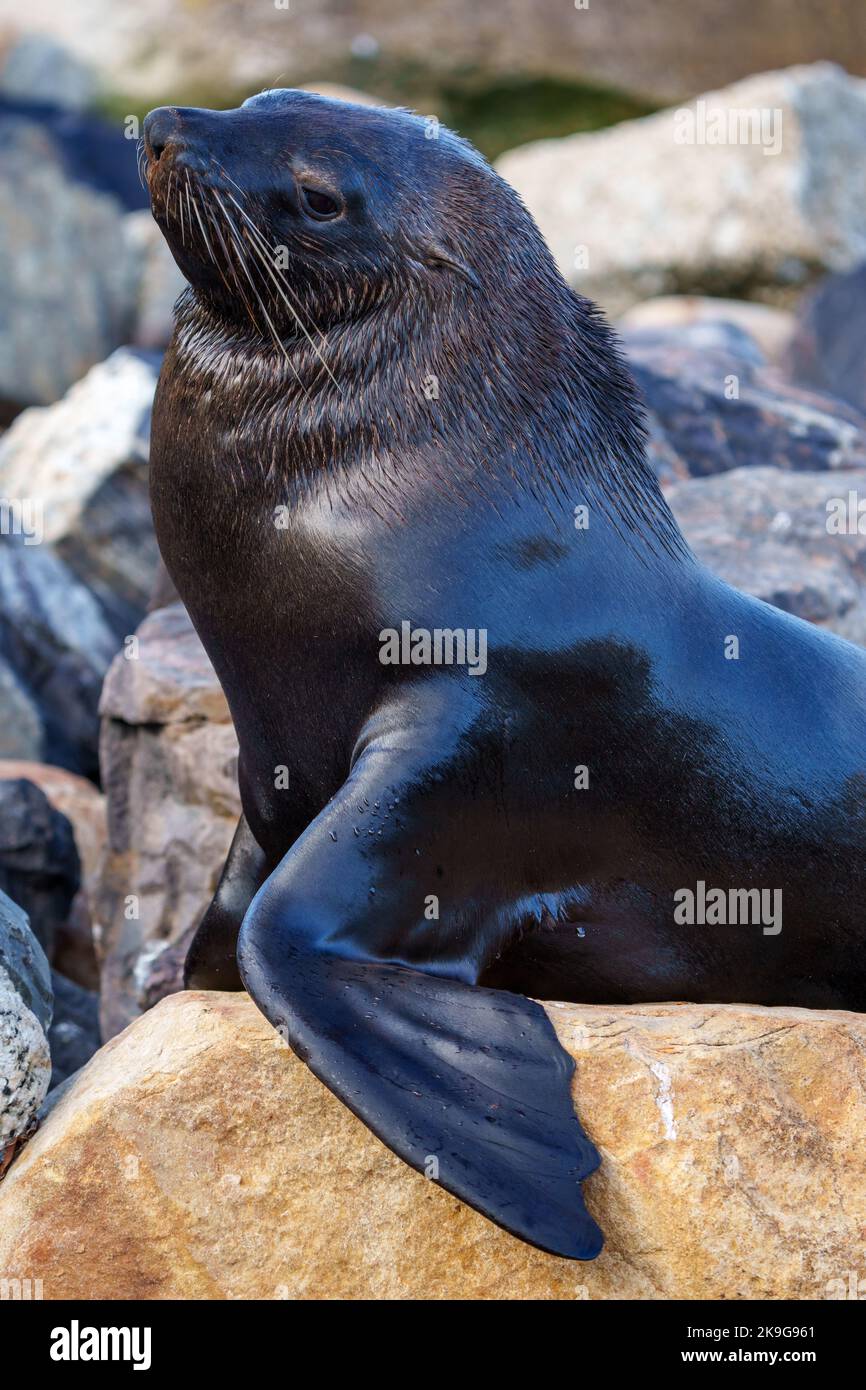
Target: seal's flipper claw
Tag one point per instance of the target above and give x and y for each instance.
(467, 1085)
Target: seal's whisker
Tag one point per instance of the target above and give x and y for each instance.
(242, 260)
(231, 266)
(282, 286)
(139, 160)
(226, 175)
(283, 289)
(264, 261)
(259, 247)
(233, 235)
(232, 262)
(180, 211)
(268, 250)
(188, 207)
(239, 260)
(263, 250)
(318, 253)
(217, 230)
(200, 222)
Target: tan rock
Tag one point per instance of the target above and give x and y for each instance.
(197, 1158)
(651, 207)
(166, 678)
(168, 755)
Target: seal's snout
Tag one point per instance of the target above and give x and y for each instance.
(161, 129)
(175, 138)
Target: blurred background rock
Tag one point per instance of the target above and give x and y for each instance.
(737, 280)
(515, 69)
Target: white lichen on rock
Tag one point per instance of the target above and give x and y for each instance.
(25, 1063)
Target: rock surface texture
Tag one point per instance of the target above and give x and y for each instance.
(714, 404)
(169, 768)
(25, 1017)
(827, 349)
(198, 1158)
(39, 865)
(57, 644)
(773, 534)
(74, 1033)
(725, 218)
(82, 465)
(68, 277)
(84, 807)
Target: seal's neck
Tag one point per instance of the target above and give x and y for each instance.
(526, 393)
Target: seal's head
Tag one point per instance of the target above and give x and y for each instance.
(297, 204)
(345, 262)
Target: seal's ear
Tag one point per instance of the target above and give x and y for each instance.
(435, 253)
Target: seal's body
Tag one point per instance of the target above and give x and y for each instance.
(384, 418)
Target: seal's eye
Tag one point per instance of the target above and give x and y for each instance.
(318, 204)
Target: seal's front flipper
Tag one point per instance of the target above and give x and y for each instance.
(210, 961)
(469, 1086)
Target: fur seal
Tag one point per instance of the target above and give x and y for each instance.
(385, 424)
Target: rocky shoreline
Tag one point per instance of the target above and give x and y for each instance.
(184, 1129)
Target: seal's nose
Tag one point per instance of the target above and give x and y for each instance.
(178, 137)
(161, 129)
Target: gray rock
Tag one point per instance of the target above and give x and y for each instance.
(25, 1016)
(39, 865)
(74, 1033)
(650, 207)
(81, 465)
(84, 807)
(160, 282)
(21, 731)
(766, 532)
(57, 639)
(36, 68)
(24, 961)
(68, 278)
(714, 405)
(827, 350)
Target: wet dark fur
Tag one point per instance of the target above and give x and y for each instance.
(605, 649)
